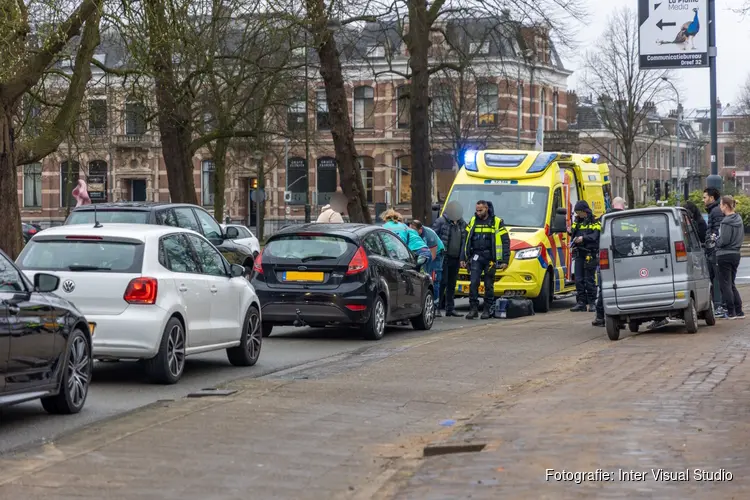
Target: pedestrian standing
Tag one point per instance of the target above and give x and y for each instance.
(452, 232)
(711, 199)
(728, 246)
(698, 221)
(618, 205)
(437, 249)
(487, 249)
(584, 234)
(329, 215)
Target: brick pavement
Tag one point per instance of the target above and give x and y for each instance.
(653, 401)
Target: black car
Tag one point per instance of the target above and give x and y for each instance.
(29, 230)
(169, 214)
(341, 274)
(45, 343)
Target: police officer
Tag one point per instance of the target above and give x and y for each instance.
(618, 205)
(585, 243)
(487, 248)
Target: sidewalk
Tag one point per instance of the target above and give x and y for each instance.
(654, 401)
(544, 392)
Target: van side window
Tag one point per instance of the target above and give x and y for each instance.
(692, 242)
(640, 235)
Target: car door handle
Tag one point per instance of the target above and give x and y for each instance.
(182, 288)
(214, 289)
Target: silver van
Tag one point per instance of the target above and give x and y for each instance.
(653, 267)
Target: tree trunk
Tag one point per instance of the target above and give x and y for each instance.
(261, 205)
(338, 113)
(173, 109)
(220, 175)
(629, 186)
(10, 223)
(418, 43)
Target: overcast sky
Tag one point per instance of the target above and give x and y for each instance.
(733, 51)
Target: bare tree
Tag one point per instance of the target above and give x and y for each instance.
(742, 127)
(28, 55)
(625, 94)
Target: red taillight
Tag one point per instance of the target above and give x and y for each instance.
(356, 307)
(603, 258)
(141, 291)
(258, 263)
(359, 262)
(32, 230)
(83, 237)
(680, 251)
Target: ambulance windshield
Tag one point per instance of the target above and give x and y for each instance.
(518, 206)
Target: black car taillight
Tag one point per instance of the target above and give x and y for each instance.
(359, 263)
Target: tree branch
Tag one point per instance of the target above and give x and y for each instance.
(30, 74)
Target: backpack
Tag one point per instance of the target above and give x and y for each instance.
(513, 308)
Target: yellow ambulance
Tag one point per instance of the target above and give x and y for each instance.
(534, 192)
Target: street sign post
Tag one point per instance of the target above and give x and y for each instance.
(673, 34)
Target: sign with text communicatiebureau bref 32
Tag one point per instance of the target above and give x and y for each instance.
(673, 34)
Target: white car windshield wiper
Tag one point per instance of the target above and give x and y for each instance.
(88, 268)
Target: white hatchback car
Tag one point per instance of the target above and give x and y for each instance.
(241, 235)
(153, 293)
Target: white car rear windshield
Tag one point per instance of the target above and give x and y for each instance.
(307, 248)
(110, 216)
(88, 256)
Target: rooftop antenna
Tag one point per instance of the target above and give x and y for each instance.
(96, 219)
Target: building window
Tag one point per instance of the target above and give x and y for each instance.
(32, 185)
(295, 116)
(68, 181)
(376, 51)
(97, 116)
(366, 167)
(728, 127)
(487, 104)
(403, 179)
(327, 179)
(135, 117)
(297, 180)
(321, 110)
(442, 105)
(402, 95)
(97, 181)
(729, 160)
(543, 107)
(555, 104)
(478, 48)
(207, 182)
(364, 107)
(519, 101)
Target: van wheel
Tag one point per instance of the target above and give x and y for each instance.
(613, 327)
(634, 325)
(690, 315)
(543, 302)
(709, 315)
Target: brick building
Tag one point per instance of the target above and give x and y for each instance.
(515, 77)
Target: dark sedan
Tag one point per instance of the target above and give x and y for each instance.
(29, 230)
(341, 274)
(45, 343)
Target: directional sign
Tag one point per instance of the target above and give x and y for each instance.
(673, 33)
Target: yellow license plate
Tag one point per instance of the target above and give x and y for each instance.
(304, 276)
(92, 327)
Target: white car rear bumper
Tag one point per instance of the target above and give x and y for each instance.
(134, 334)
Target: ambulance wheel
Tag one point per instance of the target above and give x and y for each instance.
(543, 302)
(613, 327)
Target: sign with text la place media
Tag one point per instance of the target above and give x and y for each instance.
(673, 34)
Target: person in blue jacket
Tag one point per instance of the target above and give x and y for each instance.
(437, 251)
(415, 243)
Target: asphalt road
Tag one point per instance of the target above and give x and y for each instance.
(743, 272)
(121, 387)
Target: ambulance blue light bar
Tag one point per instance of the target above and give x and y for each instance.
(541, 163)
(470, 161)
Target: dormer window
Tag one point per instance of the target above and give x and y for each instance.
(376, 51)
(100, 58)
(479, 48)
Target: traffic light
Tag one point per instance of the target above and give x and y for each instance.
(254, 183)
(657, 190)
(666, 190)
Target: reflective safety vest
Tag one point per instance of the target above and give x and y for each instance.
(500, 242)
(590, 230)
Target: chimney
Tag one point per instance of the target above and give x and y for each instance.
(572, 106)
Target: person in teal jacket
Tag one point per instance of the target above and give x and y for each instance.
(415, 243)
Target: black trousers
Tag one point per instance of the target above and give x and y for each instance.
(713, 271)
(585, 270)
(599, 300)
(727, 275)
(477, 267)
(448, 282)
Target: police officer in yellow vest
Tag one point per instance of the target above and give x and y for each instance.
(584, 233)
(487, 248)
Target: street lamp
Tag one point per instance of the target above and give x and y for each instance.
(677, 133)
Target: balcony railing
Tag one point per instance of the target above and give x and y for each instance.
(135, 141)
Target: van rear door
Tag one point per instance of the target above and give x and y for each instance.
(642, 261)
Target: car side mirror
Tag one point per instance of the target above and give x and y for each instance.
(559, 222)
(237, 271)
(232, 233)
(46, 283)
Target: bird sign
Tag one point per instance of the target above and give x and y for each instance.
(673, 34)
